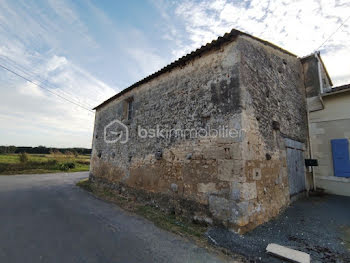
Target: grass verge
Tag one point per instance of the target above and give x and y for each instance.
(85, 184)
(172, 223)
(11, 164)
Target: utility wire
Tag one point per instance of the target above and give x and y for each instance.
(39, 79)
(45, 83)
(42, 81)
(41, 86)
(333, 33)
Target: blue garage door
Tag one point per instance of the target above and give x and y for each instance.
(341, 161)
(295, 166)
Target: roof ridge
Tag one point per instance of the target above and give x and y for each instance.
(182, 60)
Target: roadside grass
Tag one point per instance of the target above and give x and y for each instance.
(169, 222)
(11, 164)
(173, 223)
(85, 184)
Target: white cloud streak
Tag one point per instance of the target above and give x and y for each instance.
(298, 26)
(52, 41)
(31, 44)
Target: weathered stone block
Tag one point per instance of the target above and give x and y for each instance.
(243, 191)
(232, 151)
(236, 194)
(229, 170)
(206, 188)
(231, 213)
(224, 140)
(220, 207)
(214, 153)
(257, 174)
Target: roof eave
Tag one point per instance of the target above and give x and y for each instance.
(228, 37)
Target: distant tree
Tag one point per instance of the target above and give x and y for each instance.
(3, 149)
(23, 157)
(42, 150)
(11, 149)
(66, 152)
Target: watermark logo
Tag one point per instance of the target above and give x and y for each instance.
(116, 131)
(193, 133)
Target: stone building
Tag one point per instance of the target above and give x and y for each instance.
(239, 83)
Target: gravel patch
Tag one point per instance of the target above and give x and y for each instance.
(318, 225)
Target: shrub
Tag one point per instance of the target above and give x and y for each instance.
(23, 157)
(63, 167)
(87, 162)
(52, 162)
(66, 166)
(71, 165)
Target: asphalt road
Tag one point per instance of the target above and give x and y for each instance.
(46, 218)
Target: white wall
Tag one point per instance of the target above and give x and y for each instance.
(333, 122)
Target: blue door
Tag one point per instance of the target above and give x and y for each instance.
(341, 160)
(295, 166)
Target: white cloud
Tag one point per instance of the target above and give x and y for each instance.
(56, 62)
(50, 41)
(26, 107)
(298, 26)
(31, 44)
(30, 89)
(147, 61)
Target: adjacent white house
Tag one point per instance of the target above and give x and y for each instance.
(329, 137)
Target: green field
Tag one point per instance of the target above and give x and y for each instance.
(43, 163)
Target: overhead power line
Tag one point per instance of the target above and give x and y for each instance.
(41, 86)
(333, 33)
(41, 80)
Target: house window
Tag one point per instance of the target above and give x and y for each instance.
(130, 109)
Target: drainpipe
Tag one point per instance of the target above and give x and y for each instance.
(310, 151)
(308, 117)
(319, 72)
(308, 121)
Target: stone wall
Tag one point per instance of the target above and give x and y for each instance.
(238, 182)
(204, 93)
(273, 108)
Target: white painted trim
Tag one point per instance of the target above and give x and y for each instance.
(328, 120)
(334, 92)
(334, 179)
(319, 73)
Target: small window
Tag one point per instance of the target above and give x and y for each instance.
(130, 109)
